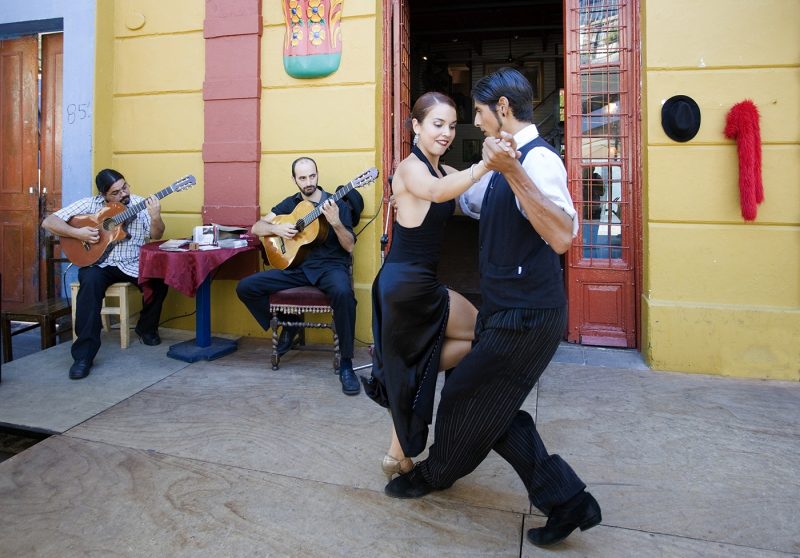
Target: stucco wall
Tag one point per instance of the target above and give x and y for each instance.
(335, 120)
(149, 109)
(150, 76)
(721, 295)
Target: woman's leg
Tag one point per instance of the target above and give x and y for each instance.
(395, 450)
(459, 333)
(460, 330)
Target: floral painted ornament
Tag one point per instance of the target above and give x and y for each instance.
(313, 45)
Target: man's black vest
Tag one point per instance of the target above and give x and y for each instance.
(518, 268)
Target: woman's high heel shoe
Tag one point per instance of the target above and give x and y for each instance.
(392, 466)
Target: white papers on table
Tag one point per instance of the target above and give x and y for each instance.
(174, 245)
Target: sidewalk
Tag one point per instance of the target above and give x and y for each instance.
(231, 458)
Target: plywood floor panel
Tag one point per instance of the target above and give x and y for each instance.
(73, 497)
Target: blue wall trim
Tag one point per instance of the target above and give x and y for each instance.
(8, 30)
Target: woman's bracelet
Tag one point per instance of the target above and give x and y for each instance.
(472, 173)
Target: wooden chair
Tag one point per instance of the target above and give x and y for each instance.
(44, 314)
(127, 306)
(298, 302)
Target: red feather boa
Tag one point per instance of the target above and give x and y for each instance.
(742, 125)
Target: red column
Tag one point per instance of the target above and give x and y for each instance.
(232, 112)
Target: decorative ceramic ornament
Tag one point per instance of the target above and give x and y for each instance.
(313, 45)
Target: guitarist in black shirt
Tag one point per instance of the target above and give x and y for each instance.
(326, 265)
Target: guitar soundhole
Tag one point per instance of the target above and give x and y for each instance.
(300, 225)
(108, 224)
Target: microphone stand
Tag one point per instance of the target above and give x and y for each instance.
(384, 243)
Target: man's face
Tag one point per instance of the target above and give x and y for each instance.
(305, 176)
(486, 119)
(120, 191)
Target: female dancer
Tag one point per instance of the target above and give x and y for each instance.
(419, 326)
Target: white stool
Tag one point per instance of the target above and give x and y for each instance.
(128, 306)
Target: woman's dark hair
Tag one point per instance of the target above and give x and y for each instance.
(105, 178)
(511, 84)
(426, 102)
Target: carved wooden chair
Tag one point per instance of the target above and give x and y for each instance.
(300, 301)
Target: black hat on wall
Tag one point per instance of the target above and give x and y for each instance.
(680, 118)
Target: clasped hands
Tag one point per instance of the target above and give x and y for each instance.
(500, 153)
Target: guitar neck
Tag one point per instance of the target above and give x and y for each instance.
(311, 216)
(136, 208)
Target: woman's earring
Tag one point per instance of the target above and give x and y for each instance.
(416, 139)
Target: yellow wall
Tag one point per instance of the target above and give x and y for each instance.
(335, 120)
(149, 125)
(721, 295)
(149, 108)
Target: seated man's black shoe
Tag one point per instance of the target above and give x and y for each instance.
(287, 340)
(409, 485)
(581, 511)
(350, 383)
(80, 369)
(151, 339)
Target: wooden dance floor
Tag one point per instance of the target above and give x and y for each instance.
(156, 457)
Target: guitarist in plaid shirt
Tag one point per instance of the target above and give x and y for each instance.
(117, 265)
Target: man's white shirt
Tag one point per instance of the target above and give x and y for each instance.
(545, 169)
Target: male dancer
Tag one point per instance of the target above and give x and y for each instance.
(526, 220)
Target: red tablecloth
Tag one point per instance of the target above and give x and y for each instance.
(183, 271)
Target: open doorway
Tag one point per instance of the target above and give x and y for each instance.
(452, 46)
(582, 58)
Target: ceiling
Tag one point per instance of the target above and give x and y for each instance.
(475, 20)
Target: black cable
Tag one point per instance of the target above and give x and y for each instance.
(372, 218)
(176, 317)
(64, 285)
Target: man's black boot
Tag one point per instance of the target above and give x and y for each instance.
(80, 369)
(350, 383)
(581, 511)
(409, 485)
(151, 339)
(289, 336)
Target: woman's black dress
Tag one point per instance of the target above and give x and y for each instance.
(410, 310)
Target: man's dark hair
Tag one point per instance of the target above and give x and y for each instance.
(294, 164)
(511, 84)
(105, 178)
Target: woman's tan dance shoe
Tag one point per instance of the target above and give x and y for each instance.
(392, 466)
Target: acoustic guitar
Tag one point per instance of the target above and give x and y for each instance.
(284, 253)
(110, 223)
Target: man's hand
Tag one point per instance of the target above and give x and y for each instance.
(501, 153)
(153, 207)
(331, 211)
(284, 230)
(89, 235)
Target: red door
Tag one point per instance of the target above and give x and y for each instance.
(19, 192)
(396, 93)
(50, 184)
(602, 124)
